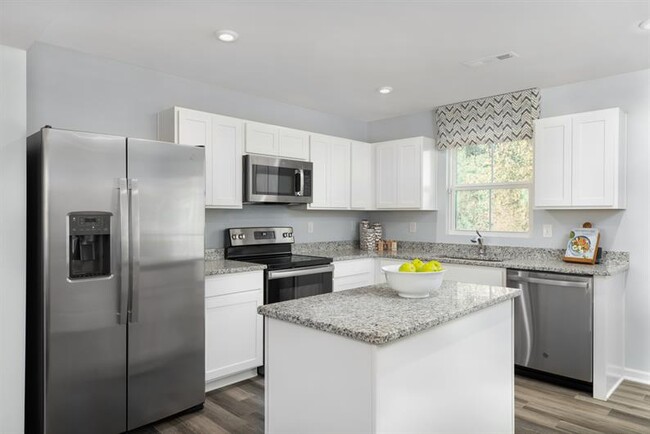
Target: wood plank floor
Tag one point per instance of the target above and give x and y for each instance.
(539, 408)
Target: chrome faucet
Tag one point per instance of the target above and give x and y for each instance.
(479, 240)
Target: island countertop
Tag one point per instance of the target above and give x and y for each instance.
(377, 315)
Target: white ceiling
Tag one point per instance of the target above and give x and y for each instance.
(333, 55)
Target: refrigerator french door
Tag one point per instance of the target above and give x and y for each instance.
(115, 333)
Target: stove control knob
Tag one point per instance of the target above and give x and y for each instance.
(241, 236)
(234, 237)
(290, 234)
(285, 234)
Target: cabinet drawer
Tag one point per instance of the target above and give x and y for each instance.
(233, 283)
(352, 267)
(354, 281)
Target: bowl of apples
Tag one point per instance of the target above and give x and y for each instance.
(414, 279)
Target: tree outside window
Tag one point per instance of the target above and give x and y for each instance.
(490, 187)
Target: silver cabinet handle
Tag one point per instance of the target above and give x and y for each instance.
(135, 250)
(565, 283)
(124, 249)
(300, 272)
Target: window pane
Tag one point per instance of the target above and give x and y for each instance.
(513, 161)
(473, 165)
(510, 210)
(472, 210)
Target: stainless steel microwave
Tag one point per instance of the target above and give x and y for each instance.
(276, 180)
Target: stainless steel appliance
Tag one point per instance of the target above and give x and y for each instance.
(553, 326)
(115, 281)
(276, 180)
(287, 276)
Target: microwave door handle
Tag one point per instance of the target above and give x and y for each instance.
(301, 177)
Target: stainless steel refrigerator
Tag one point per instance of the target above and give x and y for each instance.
(115, 281)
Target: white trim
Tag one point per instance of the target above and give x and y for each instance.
(231, 379)
(637, 376)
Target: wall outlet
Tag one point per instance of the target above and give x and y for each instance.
(547, 231)
(413, 227)
(310, 227)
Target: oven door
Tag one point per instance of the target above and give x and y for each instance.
(283, 285)
(275, 180)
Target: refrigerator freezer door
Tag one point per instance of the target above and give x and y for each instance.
(166, 342)
(85, 344)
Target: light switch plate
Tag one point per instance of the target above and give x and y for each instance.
(413, 227)
(310, 227)
(547, 231)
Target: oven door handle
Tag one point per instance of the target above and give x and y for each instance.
(295, 272)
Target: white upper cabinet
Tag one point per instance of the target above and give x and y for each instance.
(223, 140)
(276, 141)
(331, 172)
(261, 139)
(553, 162)
(405, 174)
(293, 144)
(580, 161)
(362, 179)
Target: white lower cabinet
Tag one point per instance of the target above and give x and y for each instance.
(233, 328)
(475, 274)
(353, 273)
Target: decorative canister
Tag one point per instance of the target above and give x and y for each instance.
(378, 232)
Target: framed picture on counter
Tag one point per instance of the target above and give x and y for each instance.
(582, 246)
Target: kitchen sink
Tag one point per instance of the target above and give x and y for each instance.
(467, 258)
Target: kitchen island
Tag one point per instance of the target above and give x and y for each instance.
(367, 361)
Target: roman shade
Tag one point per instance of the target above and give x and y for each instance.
(495, 119)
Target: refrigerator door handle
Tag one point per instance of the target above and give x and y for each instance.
(135, 250)
(124, 249)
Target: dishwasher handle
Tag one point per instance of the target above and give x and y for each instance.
(564, 283)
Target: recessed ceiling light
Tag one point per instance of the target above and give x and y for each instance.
(385, 90)
(645, 25)
(227, 35)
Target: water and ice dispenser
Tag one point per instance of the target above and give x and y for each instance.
(89, 253)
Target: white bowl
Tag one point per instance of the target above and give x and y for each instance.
(412, 285)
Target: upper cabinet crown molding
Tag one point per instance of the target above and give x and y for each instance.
(581, 160)
(405, 174)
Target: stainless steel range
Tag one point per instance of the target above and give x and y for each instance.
(287, 276)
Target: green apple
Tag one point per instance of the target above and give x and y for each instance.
(407, 267)
(417, 262)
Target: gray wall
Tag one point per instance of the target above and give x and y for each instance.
(627, 230)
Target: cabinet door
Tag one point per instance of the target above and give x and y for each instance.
(293, 144)
(409, 174)
(261, 139)
(320, 158)
(594, 158)
(195, 128)
(553, 162)
(233, 334)
(226, 159)
(339, 180)
(386, 165)
(361, 176)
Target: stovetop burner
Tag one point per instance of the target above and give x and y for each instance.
(269, 246)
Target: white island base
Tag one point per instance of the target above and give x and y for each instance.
(457, 377)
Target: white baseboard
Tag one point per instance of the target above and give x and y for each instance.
(637, 376)
(231, 379)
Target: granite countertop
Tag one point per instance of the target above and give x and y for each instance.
(215, 266)
(377, 315)
(507, 257)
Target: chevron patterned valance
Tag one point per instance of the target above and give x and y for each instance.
(495, 119)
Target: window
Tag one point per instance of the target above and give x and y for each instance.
(490, 187)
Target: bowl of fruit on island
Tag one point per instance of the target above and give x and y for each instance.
(414, 279)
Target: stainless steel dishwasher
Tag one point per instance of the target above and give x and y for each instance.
(553, 326)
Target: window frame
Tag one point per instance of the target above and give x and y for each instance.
(452, 188)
